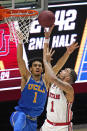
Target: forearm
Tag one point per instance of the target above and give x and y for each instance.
(19, 52)
(20, 60)
(46, 48)
(63, 59)
(60, 63)
(48, 69)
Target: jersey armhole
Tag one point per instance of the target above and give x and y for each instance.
(28, 79)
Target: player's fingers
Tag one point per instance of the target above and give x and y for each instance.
(52, 53)
(73, 45)
(76, 47)
(51, 50)
(76, 44)
(51, 59)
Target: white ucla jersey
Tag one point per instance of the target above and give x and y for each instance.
(58, 110)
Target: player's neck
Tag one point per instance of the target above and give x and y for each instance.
(36, 77)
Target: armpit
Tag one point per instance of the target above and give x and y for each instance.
(70, 98)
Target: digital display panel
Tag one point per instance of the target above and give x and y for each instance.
(9, 72)
(70, 24)
(81, 63)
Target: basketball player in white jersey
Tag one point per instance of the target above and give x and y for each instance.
(60, 98)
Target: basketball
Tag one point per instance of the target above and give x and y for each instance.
(46, 18)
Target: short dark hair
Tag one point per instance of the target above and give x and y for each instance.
(30, 62)
(73, 76)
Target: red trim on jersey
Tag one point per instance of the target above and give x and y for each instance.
(69, 112)
(70, 116)
(70, 127)
(58, 124)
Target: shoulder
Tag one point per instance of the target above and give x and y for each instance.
(24, 82)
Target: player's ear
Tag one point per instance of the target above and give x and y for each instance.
(67, 79)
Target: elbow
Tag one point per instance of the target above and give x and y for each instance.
(72, 90)
(72, 97)
(72, 93)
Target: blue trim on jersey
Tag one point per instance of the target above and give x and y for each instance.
(33, 98)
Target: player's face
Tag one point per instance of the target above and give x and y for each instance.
(36, 68)
(64, 74)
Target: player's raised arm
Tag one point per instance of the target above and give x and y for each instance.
(46, 47)
(21, 63)
(64, 85)
(60, 63)
(46, 43)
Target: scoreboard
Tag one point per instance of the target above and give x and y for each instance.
(70, 26)
(9, 72)
(81, 63)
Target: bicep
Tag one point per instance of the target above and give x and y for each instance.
(23, 70)
(23, 82)
(70, 97)
(57, 68)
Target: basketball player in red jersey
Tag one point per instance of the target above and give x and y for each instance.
(61, 94)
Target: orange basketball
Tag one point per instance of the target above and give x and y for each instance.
(46, 18)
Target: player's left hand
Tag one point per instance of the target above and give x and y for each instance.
(48, 33)
(49, 55)
(72, 47)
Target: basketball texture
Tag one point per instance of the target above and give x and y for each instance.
(46, 18)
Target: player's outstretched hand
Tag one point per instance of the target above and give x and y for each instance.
(72, 47)
(49, 55)
(48, 33)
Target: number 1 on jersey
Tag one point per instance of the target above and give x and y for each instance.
(35, 97)
(52, 105)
